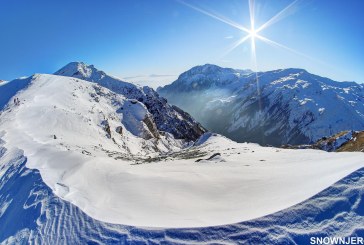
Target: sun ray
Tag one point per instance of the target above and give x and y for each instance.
(253, 33)
(251, 12)
(214, 16)
(255, 66)
(283, 13)
(237, 44)
(273, 43)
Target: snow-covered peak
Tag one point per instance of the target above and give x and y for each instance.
(81, 70)
(209, 69)
(206, 69)
(80, 115)
(207, 76)
(168, 118)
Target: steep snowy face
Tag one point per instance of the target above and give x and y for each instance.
(168, 118)
(287, 106)
(75, 115)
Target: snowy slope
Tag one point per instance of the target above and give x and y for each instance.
(9, 89)
(47, 219)
(289, 106)
(60, 125)
(168, 118)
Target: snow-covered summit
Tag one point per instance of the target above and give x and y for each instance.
(87, 72)
(206, 69)
(168, 118)
(206, 76)
(80, 69)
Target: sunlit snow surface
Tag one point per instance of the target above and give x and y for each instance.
(31, 213)
(87, 187)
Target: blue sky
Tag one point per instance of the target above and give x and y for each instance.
(129, 38)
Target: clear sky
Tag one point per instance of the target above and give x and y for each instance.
(140, 38)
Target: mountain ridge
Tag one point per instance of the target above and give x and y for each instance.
(167, 118)
(284, 106)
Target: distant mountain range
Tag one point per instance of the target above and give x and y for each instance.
(287, 106)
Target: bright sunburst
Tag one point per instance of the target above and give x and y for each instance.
(252, 33)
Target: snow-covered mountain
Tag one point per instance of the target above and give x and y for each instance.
(289, 106)
(168, 118)
(83, 161)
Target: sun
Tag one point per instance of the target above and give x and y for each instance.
(253, 33)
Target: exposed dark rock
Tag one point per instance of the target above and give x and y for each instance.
(151, 126)
(106, 126)
(119, 130)
(348, 141)
(210, 158)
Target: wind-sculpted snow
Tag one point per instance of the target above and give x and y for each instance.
(289, 106)
(31, 213)
(167, 118)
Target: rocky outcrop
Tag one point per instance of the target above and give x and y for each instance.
(151, 126)
(356, 143)
(345, 141)
(119, 130)
(106, 127)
